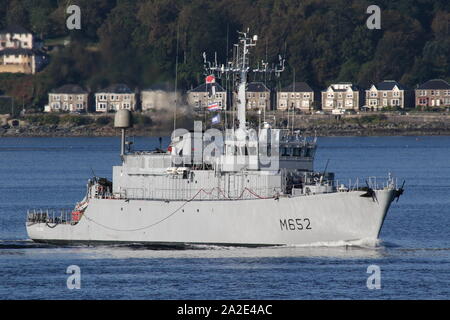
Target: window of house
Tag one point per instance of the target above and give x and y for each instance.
(432, 92)
(384, 94)
(395, 102)
(306, 95)
(373, 94)
(385, 102)
(330, 95)
(350, 95)
(396, 94)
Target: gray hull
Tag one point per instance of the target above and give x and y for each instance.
(330, 217)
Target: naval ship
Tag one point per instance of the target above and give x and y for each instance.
(243, 185)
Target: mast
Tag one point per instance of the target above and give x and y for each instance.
(240, 67)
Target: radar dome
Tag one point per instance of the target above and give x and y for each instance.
(122, 119)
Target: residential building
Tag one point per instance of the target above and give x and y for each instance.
(298, 96)
(19, 51)
(257, 96)
(159, 97)
(115, 97)
(388, 93)
(342, 96)
(15, 37)
(70, 98)
(205, 94)
(433, 93)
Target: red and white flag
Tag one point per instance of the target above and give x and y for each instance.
(210, 79)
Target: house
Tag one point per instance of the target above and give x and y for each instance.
(158, 97)
(341, 97)
(298, 96)
(206, 94)
(433, 93)
(20, 52)
(115, 97)
(70, 97)
(388, 93)
(15, 37)
(257, 96)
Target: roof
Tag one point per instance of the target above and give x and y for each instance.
(161, 87)
(354, 87)
(203, 88)
(389, 85)
(297, 87)
(257, 87)
(14, 29)
(116, 88)
(69, 89)
(14, 51)
(434, 84)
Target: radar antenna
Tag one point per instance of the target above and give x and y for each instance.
(239, 67)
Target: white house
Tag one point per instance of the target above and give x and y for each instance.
(115, 97)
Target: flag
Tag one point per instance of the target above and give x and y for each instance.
(215, 119)
(214, 106)
(210, 79)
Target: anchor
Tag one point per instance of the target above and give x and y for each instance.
(370, 193)
(399, 192)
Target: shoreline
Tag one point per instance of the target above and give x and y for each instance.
(363, 133)
(360, 125)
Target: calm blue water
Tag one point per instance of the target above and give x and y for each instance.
(414, 255)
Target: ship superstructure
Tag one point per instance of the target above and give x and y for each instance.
(238, 186)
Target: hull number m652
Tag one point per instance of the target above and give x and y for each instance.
(295, 224)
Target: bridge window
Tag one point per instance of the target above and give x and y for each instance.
(297, 152)
(285, 152)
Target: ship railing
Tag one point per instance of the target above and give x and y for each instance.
(49, 216)
(375, 183)
(199, 194)
(346, 185)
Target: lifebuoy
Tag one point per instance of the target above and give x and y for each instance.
(76, 216)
